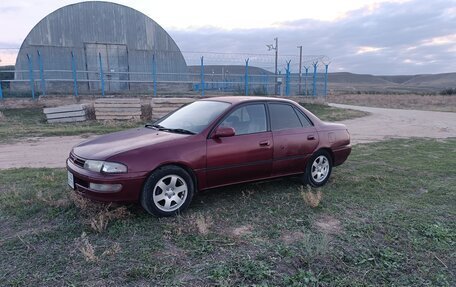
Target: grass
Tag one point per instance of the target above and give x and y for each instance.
(331, 114)
(25, 123)
(387, 218)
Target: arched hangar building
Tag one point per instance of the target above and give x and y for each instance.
(125, 38)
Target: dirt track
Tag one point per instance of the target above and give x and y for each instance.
(384, 124)
(380, 125)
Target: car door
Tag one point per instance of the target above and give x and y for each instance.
(245, 156)
(295, 139)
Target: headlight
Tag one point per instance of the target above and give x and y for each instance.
(104, 166)
(113, 167)
(93, 165)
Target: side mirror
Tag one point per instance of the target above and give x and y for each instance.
(223, 132)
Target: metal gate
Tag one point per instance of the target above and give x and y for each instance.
(114, 60)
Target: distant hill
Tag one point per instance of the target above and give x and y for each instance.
(341, 82)
(348, 82)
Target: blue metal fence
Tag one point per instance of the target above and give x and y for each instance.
(215, 73)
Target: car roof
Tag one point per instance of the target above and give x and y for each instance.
(240, 99)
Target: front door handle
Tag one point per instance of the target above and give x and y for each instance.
(311, 137)
(265, 143)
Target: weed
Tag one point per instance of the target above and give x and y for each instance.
(438, 232)
(99, 221)
(98, 215)
(86, 248)
(113, 250)
(203, 223)
(61, 202)
(311, 199)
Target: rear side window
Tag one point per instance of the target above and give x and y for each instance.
(304, 120)
(283, 117)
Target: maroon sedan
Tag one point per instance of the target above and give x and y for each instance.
(209, 143)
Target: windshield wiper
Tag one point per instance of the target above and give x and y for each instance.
(162, 128)
(180, 131)
(155, 126)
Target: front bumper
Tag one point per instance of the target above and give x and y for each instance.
(131, 183)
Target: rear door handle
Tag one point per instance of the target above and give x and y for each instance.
(264, 143)
(311, 137)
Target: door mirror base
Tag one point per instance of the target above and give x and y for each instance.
(223, 132)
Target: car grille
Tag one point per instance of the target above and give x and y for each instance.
(76, 160)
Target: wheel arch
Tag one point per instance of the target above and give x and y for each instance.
(188, 169)
(328, 150)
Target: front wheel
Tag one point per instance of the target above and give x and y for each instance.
(168, 191)
(318, 169)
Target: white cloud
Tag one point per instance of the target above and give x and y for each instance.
(367, 49)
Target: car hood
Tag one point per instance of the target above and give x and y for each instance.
(106, 146)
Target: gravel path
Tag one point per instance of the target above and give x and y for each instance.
(381, 124)
(38, 152)
(384, 124)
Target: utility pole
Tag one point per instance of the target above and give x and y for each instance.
(300, 65)
(276, 58)
(276, 48)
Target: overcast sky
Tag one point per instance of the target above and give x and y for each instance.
(374, 37)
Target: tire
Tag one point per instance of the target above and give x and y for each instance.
(167, 191)
(318, 169)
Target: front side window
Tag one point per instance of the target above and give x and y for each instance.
(247, 119)
(283, 117)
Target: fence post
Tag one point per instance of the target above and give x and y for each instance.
(154, 74)
(40, 63)
(101, 76)
(314, 92)
(32, 80)
(305, 80)
(287, 79)
(246, 79)
(75, 77)
(202, 76)
(326, 79)
(266, 83)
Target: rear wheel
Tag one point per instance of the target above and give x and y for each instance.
(168, 191)
(318, 169)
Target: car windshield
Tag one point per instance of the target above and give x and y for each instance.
(192, 118)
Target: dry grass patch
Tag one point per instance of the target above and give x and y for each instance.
(203, 223)
(86, 248)
(328, 225)
(98, 215)
(311, 199)
(292, 237)
(242, 230)
(61, 202)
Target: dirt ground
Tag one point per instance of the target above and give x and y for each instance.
(437, 103)
(381, 124)
(384, 124)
